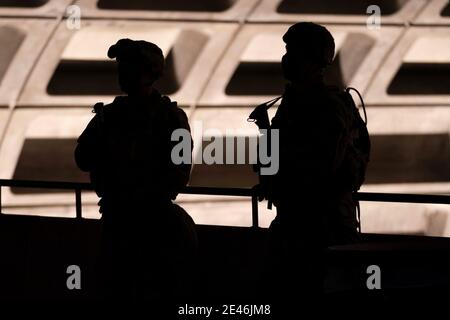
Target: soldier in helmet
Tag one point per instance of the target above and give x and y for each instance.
(311, 189)
(126, 148)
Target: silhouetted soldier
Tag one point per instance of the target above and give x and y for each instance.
(127, 150)
(312, 189)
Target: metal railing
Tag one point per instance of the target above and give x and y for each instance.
(78, 187)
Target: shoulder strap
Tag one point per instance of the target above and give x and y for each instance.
(361, 99)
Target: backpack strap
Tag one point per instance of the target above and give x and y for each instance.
(358, 207)
(361, 99)
(358, 216)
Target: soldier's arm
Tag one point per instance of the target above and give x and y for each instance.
(87, 149)
(178, 174)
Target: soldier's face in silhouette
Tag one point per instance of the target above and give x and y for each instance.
(304, 66)
(298, 67)
(134, 79)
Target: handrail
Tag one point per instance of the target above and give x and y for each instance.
(78, 187)
(246, 192)
(402, 197)
(46, 184)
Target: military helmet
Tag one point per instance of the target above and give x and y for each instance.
(312, 41)
(142, 54)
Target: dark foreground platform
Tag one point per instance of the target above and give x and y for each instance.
(36, 251)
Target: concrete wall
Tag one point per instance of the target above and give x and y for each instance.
(34, 8)
(223, 60)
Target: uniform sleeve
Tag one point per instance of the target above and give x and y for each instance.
(179, 174)
(87, 149)
(334, 141)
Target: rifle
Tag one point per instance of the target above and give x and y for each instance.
(260, 117)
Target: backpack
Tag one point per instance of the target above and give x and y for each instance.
(352, 172)
(357, 155)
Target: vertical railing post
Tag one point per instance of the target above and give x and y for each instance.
(255, 216)
(78, 204)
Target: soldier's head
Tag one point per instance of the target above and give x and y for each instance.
(140, 64)
(309, 50)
